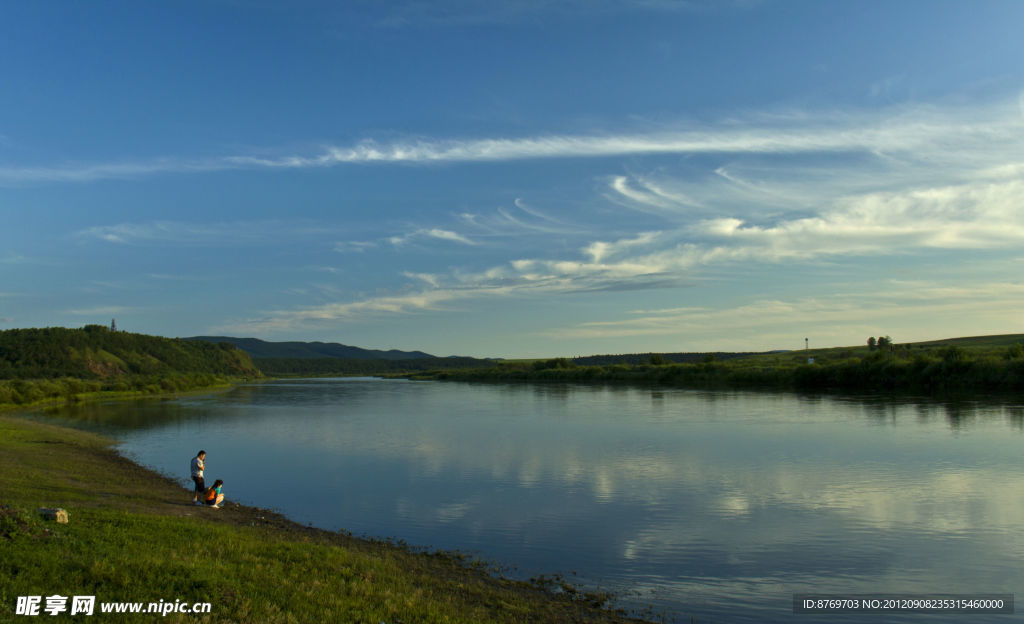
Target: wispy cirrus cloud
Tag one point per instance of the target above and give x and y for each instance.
(981, 216)
(204, 233)
(793, 188)
(430, 233)
(518, 220)
(431, 279)
(286, 320)
(89, 172)
(355, 246)
(599, 250)
(477, 229)
(101, 310)
(649, 195)
(902, 132)
(400, 240)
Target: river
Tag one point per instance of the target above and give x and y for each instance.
(717, 505)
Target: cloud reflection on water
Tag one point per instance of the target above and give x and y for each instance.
(673, 490)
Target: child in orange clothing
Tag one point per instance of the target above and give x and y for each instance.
(214, 496)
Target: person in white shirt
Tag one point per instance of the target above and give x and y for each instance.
(198, 465)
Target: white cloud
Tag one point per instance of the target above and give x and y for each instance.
(327, 269)
(941, 132)
(981, 216)
(446, 235)
(521, 204)
(528, 220)
(975, 216)
(284, 320)
(599, 250)
(100, 311)
(782, 188)
(354, 246)
(202, 233)
(863, 135)
(431, 280)
(435, 233)
(651, 196)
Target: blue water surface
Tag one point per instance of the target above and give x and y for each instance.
(716, 505)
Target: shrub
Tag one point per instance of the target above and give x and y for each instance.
(954, 355)
(1015, 352)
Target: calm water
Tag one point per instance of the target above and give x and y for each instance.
(716, 505)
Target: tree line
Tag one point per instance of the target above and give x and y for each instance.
(933, 370)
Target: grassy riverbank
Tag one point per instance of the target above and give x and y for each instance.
(982, 364)
(134, 536)
(37, 393)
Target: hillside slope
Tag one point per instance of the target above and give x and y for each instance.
(96, 352)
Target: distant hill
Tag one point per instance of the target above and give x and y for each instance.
(290, 367)
(298, 350)
(645, 358)
(96, 352)
(997, 340)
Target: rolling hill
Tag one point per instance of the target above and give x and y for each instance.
(96, 352)
(58, 365)
(299, 350)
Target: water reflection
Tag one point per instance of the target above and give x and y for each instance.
(718, 504)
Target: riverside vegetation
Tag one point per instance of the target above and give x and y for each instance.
(977, 364)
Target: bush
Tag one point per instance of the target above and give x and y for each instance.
(559, 363)
(954, 355)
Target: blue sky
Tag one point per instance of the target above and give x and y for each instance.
(515, 179)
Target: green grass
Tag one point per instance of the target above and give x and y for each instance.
(25, 393)
(134, 536)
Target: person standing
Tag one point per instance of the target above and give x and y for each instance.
(198, 465)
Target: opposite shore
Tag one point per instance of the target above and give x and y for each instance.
(979, 367)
